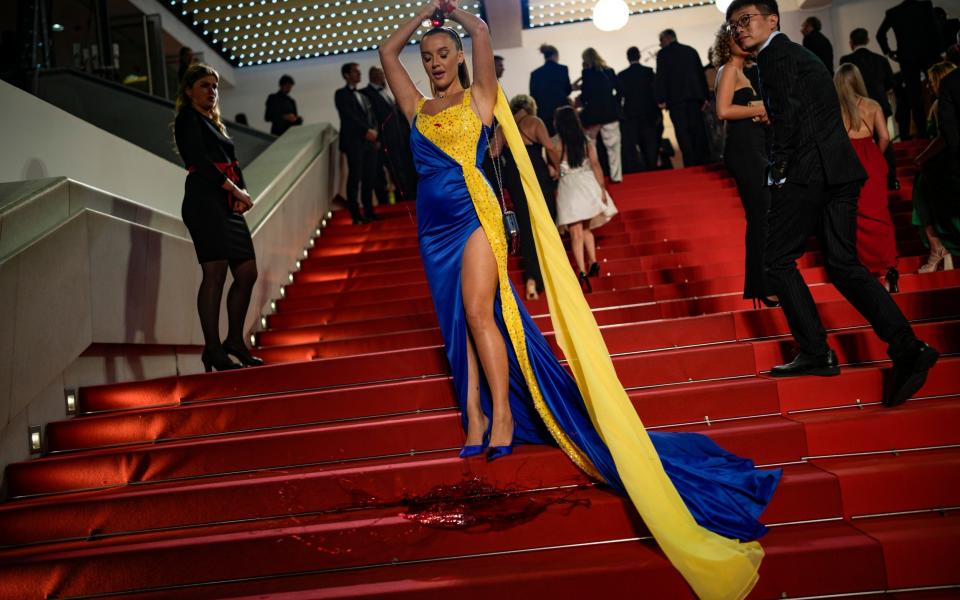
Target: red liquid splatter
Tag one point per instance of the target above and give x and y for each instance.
(474, 503)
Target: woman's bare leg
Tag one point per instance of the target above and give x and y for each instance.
(479, 287)
(589, 243)
(935, 243)
(476, 420)
(576, 244)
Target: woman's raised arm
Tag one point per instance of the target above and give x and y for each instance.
(404, 91)
(542, 136)
(484, 84)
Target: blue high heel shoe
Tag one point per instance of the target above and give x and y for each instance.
(471, 450)
(496, 452)
(474, 450)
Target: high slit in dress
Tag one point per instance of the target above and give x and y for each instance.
(723, 492)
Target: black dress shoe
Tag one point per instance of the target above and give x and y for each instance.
(910, 369)
(768, 302)
(806, 364)
(892, 278)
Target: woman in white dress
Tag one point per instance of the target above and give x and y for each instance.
(583, 203)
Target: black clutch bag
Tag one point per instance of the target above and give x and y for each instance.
(512, 229)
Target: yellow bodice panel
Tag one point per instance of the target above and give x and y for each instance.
(456, 130)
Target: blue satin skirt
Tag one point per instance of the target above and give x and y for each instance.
(724, 492)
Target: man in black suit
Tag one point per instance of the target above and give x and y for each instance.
(682, 89)
(949, 28)
(393, 151)
(550, 85)
(816, 42)
(282, 109)
(641, 115)
(358, 136)
(815, 180)
(878, 78)
(918, 47)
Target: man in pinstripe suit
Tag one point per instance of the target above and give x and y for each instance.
(815, 180)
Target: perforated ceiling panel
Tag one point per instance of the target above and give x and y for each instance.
(254, 32)
(542, 13)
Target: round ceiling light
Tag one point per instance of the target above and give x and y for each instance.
(610, 15)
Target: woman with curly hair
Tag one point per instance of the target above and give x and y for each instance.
(536, 141)
(745, 153)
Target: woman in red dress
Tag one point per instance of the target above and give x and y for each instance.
(864, 120)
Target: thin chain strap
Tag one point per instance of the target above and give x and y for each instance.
(496, 162)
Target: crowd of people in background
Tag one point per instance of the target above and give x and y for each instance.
(712, 113)
(717, 114)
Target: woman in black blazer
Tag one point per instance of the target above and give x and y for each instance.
(215, 198)
(601, 107)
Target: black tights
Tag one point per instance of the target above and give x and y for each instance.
(238, 299)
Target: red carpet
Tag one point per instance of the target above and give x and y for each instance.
(332, 472)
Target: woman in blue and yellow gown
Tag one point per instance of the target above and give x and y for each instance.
(697, 499)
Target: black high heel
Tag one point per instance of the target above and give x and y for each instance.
(214, 359)
(594, 270)
(893, 280)
(585, 283)
(242, 354)
(769, 303)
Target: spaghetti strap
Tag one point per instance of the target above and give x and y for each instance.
(863, 122)
(524, 136)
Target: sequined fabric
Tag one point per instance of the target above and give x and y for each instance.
(457, 131)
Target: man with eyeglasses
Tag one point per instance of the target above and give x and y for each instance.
(815, 179)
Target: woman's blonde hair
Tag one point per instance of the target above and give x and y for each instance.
(937, 72)
(592, 60)
(721, 46)
(195, 73)
(523, 102)
(850, 89)
(935, 75)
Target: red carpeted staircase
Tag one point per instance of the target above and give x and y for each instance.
(333, 471)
